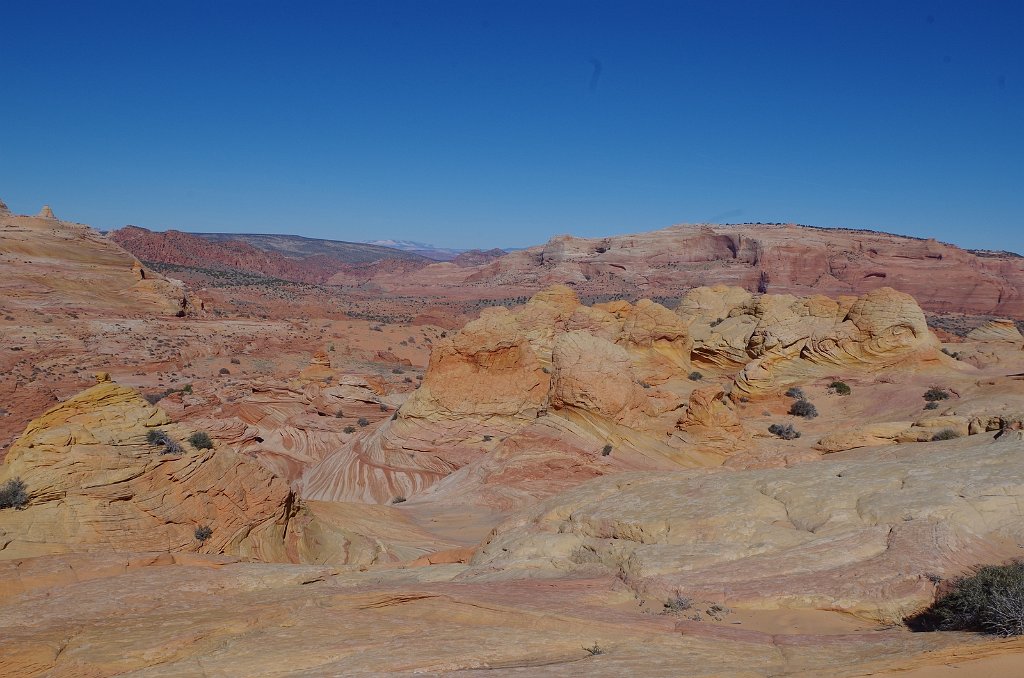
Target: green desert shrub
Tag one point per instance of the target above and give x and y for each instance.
(803, 408)
(350, 429)
(784, 431)
(363, 421)
(946, 434)
(990, 600)
(839, 388)
(795, 392)
(606, 450)
(203, 533)
(935, 393)
(13, 494)
(931, 406)
(200, 440)
(696, 376)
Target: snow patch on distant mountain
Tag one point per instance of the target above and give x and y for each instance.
(421, 248)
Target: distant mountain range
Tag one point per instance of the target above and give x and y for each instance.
(290, 257)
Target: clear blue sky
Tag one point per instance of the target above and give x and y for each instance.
(484, 123)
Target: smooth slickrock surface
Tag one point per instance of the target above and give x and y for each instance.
(861, 534)
(214, 617)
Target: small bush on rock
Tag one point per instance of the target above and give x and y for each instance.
(155, 436)
(350, 429)
(696, 376)
(795, 393)
(935, 393)
(606, 450)
(803, 408)
(839, 388)
(931, 406)
(991, 600)
(201, 441)
(678, 603)
(784, 431)
(946, 434)
(203, 533)
(13, 494)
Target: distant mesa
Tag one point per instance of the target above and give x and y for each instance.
(46, 213)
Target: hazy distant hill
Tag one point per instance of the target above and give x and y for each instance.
(297, 246)
(288, 257)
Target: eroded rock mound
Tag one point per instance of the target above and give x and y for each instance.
(50, 264)
(551, 357)
(97, 484)
(781, 340)
(999, 330)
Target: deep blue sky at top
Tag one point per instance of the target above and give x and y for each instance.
(502, 124)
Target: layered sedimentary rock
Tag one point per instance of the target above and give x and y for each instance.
(866, 534)
(550, 357)
(51, 264)
(782, 259)
(999, 330)
(781, 340)
(96, 484)
(170, 616)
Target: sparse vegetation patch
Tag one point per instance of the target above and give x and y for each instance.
(13, 494)
(200, 440)
(839, 388)
(990, 600)
(784, 431)
(158, 437)
(803, 408)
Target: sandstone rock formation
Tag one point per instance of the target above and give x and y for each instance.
(51, 264)
(783, 259)
(999, 330)
(98, 615)
(46, 213)
(97, 485)
(861, 534)
(593, 366)
(781, 340)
